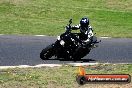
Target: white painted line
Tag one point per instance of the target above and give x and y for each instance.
(23, 66)
(39, 35)
(55, 65)
(82, 64)
(46, 35)
(6, 67)
(27, 66)
(105, 37)
(48, 65)
(116, 63)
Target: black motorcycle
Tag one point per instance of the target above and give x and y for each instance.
(68, 46)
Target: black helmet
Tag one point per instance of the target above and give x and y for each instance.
(84, 24)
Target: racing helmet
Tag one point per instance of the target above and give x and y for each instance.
(84, 22)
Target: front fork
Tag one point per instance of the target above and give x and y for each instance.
(58, 48)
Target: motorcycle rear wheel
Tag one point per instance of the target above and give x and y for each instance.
(47, 52)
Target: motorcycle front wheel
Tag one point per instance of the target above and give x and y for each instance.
(47, 52)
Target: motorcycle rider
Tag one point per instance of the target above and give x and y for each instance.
(86, 31)
(85, 37)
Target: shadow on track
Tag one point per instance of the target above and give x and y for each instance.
(81, 60)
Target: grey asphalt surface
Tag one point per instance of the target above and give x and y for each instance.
(25, 50)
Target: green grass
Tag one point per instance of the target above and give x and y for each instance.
(57, 77)
(111, 18)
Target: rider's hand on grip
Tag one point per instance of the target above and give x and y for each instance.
(68, 27)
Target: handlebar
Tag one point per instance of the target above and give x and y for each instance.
(68, 27)
(70, 21)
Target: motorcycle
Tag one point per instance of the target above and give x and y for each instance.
(68, 46)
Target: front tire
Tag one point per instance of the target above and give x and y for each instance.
(47, 52)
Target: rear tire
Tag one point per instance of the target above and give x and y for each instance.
(47, 52)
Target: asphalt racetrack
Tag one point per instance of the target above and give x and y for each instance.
(25, 50)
